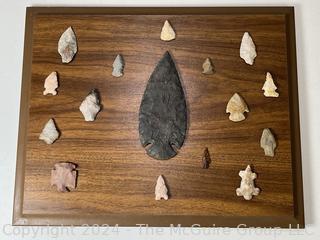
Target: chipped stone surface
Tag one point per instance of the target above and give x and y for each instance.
(269, 87)
(118, 66)
(163, 112)
(90, 106)
(237, 107)
(247, 188)
(49, 133)
(268, 142)
(207, 66)
(167, 32)
(64, 176)
(161, 190)
(67, 45)
(248, 49)
(51, 84)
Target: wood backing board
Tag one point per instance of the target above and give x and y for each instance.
(116, 178)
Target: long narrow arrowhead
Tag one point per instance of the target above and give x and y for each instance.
(163, 112)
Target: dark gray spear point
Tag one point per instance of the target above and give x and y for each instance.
(163, 112)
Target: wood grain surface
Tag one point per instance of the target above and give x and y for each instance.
(116, 177)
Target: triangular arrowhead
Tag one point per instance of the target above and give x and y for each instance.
(167, 32)
(207, 66)
(237, 107)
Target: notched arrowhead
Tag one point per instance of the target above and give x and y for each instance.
(163, 112)
(64, 176)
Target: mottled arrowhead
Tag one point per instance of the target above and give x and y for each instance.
(64, 176)
(67, 45)
(163, 112)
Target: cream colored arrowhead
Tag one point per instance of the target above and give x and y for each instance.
(247, 188)
(247, 49)
(268, 142)
(67, 45)
(237, 107)
(167, 32)
(161, 190)
(90, 106)
(49, 133)
(51, 84)
(269, 87)
(207, 66)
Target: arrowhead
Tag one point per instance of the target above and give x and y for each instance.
(237, 107)
(247, 49)
(268, 142)
(167, 32)
(163, 112)
(67, 45)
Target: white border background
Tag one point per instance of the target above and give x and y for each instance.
(12, 20)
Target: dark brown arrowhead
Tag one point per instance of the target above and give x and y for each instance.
(163, 112)
(206, 160)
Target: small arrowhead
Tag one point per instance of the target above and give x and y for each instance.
(167, 32)
(237, 107)
(269, 87)
(207, 66)
(247, 49)
(268, 142)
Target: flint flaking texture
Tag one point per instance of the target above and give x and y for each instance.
(67, 45)
(64, 176)
(163, 112)
(49, 133)
(118, 66)
(268, 142)
(51, 84)
(248, 49)
(247, 188)
(237, 107)
(90, 106)
(269, 87)
(167, 32)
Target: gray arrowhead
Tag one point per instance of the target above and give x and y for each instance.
(163, 112)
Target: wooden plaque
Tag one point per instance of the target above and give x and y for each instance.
(116, 177)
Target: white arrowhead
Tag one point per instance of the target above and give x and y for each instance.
(161, 190)
(49, 133)
(247, 49)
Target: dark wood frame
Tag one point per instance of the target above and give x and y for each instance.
(287, 222)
